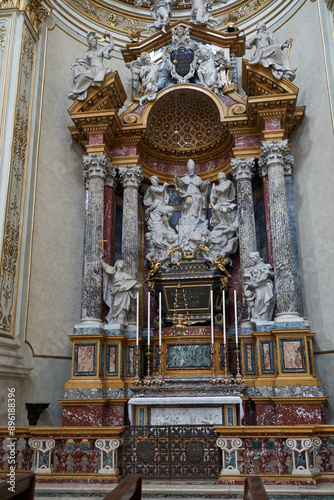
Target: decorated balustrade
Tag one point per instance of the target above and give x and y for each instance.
(294, 454)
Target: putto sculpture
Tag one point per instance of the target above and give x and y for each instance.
(259, 289)
(90, 71)
(160, 10)
(207, 70)
(200, 13)
(119, 292)
(145, 76)
(269, 53)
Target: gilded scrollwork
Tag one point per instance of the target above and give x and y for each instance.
(15, 193)
(3, 34)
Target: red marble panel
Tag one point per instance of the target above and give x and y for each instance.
(249, 358)
(248, 141)
(113, 415)
(124, 150)
(168, 168)
(192, 330)
(292, 355)
(265, 414)
(227, 100)
(112, 359)
(108, 233)
(235, 283)
(266, 356)
(96, 139)
(85, 358)
(83, 415)
(272, 124)
(268, 220)
(299, 414)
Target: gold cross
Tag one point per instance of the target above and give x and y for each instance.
(103, 242)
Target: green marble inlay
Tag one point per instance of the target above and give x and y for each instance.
(189, 356)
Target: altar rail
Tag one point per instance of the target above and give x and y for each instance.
(293, 454)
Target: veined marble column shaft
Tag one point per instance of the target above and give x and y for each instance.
(272, 161)
(242, 171)
(288, 167)
(95, 169)
(131, 178)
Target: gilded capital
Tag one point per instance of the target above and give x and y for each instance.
(131, 176)
(242, 168)
(35, 10)
(272, 153)
(96, 166)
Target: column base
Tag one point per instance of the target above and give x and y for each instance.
(89, 323)
(289, 317)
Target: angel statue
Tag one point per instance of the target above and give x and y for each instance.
(207, 70)
(89, 71)
(145, 76)
(160, 10)
(158, 212)
(269, 53)
(119, 291)
(259, 288)
(200, 13)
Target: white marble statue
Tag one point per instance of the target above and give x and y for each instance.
(160, 10)
(90, 71)
(200, 13)
(259, 289)
(160, 237)
(221, 203)
(119, 292)
(149, 76)
(269, 53)
(208, 68)
(158, 212)
(193, 191)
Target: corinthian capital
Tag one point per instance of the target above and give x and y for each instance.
(131, 176)
(95, 166)
(288, 164)
(272, 153)
(110, 177)
(242, 168)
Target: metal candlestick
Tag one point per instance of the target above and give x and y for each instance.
(137, 380)
(160, 379)
(148, 379)
(213, 379)
(226, 379)
(238, 378)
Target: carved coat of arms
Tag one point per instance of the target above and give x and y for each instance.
(180, 57)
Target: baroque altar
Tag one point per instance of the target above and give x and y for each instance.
(201, 283)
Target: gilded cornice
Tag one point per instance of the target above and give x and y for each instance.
(36, 10)
(234, 41)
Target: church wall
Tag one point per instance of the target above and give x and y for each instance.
(312, 148)
(55, 264)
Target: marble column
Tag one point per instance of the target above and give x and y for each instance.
(288, 167)
(95, 170)
(272, 163)
(109, 215)
(131, 178)
(242, 171)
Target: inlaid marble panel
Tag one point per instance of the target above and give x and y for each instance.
(267, 356)
(85, 359)
(112, 360)
(188, 356)
(293, 355)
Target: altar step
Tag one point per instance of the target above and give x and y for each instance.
(183, 490)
